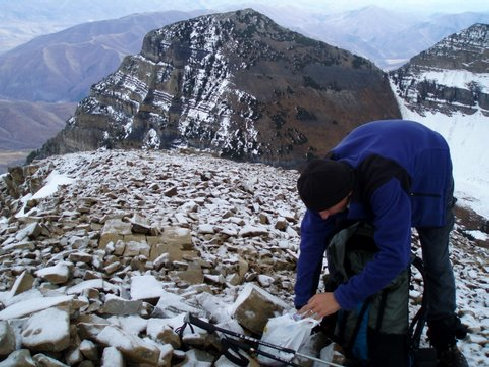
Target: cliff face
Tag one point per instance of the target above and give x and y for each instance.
(236, 84)
(451, 76)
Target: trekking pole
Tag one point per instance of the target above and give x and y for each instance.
(212, 328)
(318, 360)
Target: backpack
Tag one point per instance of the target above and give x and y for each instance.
(377, 332)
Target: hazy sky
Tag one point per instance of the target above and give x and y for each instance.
(46, 16)
(416, 5)
(73, 9)
(424, 6)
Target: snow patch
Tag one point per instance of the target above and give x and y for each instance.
(467, 137)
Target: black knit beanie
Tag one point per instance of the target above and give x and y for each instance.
(324, 183)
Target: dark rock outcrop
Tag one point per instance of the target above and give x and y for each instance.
(236, 84)
(450, 76)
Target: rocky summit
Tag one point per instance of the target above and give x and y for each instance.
(103, 253)
(452, 76)
(237, 84)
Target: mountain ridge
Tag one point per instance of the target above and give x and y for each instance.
(236, 83)
(423, 82)
(62, 66)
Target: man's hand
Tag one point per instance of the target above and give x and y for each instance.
(320, 305)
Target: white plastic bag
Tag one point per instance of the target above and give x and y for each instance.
(285, 332)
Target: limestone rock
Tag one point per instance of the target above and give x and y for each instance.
(22, 283)
(73, 355)
(171, 191)
(27, 307)
(80, 256)
(193, 274)
(234, 279)
(161, 260)
(58, 274)
(131, 346)
(134, 248)
(173, 241)
(112, 231)
(140, 224)
(255, 306)
(31, 231)
(202, 358)
(43, 360)
(281, 224)
(89, 350)
(112, 357)
(161, 331)
(265, 280)
(243, 267)
(253, 231)
(119, 306)
(119, 248)
(47, 330)
(19, 358)
(166, 352)
(145, 287)
(172, 305)
(7, 338)
(112, 268)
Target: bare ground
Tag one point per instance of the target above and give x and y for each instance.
(471, 221)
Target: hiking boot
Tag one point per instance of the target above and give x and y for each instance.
(452, 357)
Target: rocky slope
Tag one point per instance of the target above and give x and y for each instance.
(452, 76)
(103, 252)
(235, 83)
(446, 88)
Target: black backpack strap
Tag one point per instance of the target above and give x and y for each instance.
(381, 310)
(419, 319)
(420, 357)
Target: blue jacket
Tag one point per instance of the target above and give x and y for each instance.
(403, 176)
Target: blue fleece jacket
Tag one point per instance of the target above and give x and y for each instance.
(403, 172)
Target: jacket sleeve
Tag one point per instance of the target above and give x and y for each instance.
(314, 232)
(391, 209)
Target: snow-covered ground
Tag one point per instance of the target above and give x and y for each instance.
(467, 137)
(243, 221)
(457, 78)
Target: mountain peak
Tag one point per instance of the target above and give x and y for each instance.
(235, 83)
(467, 50)
(229, 31)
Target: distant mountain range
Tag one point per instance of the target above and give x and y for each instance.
(22, 20)
(62, 66)
(26, 125)
(387, 38)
